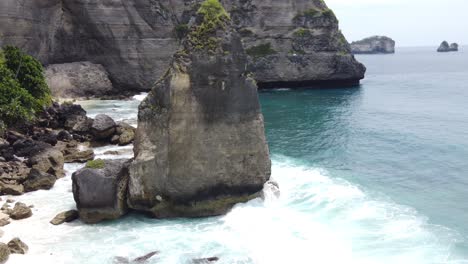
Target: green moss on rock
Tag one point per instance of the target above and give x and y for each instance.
(301, 32)
(96, 164)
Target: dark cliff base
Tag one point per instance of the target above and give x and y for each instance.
(312, 84)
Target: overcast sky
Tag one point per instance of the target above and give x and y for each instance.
(408, 22)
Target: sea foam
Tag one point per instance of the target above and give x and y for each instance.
(316, 219)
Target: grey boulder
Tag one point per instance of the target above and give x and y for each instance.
(20, 211)
(17, 246)
(103, 127)
(50, 161)
(11, 188)
(100, 193)
(39, 180)
(65, 217)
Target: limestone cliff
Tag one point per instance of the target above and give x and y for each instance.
(200, 146)
(290, 43)
(374, 45)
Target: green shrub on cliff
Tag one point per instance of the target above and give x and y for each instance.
(29, 73)
(16, 104)
(181, 30)
(23, 90)
(214, 17)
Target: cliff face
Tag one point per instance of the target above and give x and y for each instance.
(133, 39)
(294, 43)
(297, 42)
(374, 45)
(200, 145)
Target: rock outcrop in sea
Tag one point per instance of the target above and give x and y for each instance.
(445, 47)
(100, 190)
(290, 43)
(374, 45)
(200, 146)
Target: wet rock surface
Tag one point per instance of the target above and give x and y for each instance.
(205, 260)
(100, 191)
(20, 211)
(103, 127)
(38, 180)
(17, 246)
(65, 217)
(73, 151)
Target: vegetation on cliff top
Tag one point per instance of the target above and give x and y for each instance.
(214, 17)
(23, 89)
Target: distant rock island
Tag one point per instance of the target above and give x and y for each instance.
(374, 45)
(445, 47)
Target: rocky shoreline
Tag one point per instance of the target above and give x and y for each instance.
(33, 158)
(33, 155)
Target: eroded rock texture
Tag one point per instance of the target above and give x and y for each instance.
(200, 146)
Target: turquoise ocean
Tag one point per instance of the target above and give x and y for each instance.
(372, 174)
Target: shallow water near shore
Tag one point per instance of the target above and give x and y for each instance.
(376, 174)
